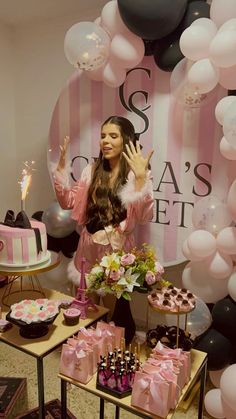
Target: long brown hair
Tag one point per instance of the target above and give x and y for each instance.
(103, 200)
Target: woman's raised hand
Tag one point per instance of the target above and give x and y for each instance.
(137, 162)
(63, 153)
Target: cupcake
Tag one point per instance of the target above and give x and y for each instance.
(71, 316)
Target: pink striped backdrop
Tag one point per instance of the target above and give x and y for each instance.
(185, 141)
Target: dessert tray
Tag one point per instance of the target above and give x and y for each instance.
(32, 330)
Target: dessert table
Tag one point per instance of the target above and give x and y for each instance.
(198, 371)
(57, 334)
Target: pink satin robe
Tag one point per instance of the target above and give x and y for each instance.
(92, 247)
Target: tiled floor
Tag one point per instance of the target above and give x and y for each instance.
(17, 364)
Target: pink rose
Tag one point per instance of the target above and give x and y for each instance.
(159, 270)
(150, 278)
(115, 275)
(127, 259)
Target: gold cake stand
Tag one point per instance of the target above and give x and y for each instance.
(25, 279)
(176, 313)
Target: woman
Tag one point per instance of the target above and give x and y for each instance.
(113, 194)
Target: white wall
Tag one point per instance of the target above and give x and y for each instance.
(8, 179)
(34, 70)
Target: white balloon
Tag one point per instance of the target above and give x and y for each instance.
(222, 50)
(196, 278)
(229, 25)
(194, 42)
(221, 11)
(213, 404)
(86, 45)
(206, 23)
(229, 124)
(211, 214)
(201, 243)
(227, 150)
(232, 285)
(187, 253)
(186, 94)
(226, 240)
(222, 106)
(228, 385)
(231, 201)
(203, 75)
(220, 266)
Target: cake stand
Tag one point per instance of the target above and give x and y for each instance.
(176, 313)
(32, 330)
(31, 283)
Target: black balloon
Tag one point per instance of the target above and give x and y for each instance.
(67, 245)
(218, 348)
(224, 316)
(195, 10)
(152, 19)
(167, 57)
(149, 47)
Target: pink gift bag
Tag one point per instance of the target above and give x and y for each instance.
(165, 371)
(150, 393)
(117, 331)
(76, 363)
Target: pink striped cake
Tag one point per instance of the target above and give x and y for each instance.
(18, 246)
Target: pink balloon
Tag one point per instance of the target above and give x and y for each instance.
(222, 106)
(201, 243)
(203, 75)
(227, 150)
(221, 11)
(113, 76)
(231, 200)
(197, 279)
(128, 49)
(211, 214)
(228, 77)
(111, 20)
(222, 51)
(219, 266)
(228, 386)
(232, 285)
(194, 42)
(226, 240)
(213, 403)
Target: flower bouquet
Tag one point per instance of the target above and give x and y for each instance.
(121, 273)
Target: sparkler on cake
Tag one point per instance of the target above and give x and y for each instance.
(26, 181)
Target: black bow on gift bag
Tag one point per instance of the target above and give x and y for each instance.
(22, 221)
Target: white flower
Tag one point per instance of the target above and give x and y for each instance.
(111, 261)
(129, 281)
(96, 270)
